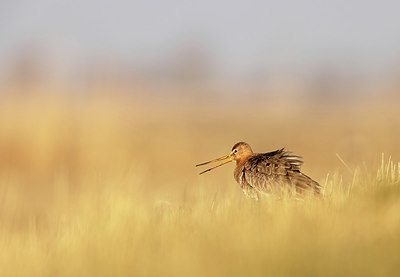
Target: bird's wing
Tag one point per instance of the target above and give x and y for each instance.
(269, 171)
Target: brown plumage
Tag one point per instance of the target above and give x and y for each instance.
(274, 172)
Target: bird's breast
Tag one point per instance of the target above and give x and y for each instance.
(237, 173)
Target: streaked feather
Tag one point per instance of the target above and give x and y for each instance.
(274, 171)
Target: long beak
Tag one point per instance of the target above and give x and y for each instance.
(216, 160)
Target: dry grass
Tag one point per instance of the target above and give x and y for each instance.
(106, 186)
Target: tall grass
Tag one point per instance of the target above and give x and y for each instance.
(109, 188)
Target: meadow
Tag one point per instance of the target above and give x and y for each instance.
(104, 184)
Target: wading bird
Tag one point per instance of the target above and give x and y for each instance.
(271, 173)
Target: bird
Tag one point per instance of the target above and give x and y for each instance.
(272, 173)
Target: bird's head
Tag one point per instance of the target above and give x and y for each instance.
(240, 152)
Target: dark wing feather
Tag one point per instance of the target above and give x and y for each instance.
(276, 170)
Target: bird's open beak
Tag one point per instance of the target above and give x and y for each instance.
(229, 157)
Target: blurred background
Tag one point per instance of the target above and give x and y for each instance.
(106, 107)
(150, 88)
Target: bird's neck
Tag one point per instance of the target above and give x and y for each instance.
(242, 159)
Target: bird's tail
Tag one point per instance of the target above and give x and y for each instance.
(305, 183)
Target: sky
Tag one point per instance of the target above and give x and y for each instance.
(239, 36)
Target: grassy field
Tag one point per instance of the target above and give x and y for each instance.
(106, 186)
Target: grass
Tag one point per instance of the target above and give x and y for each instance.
(109, 189)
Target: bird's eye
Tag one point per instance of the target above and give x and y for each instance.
(235, 151)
